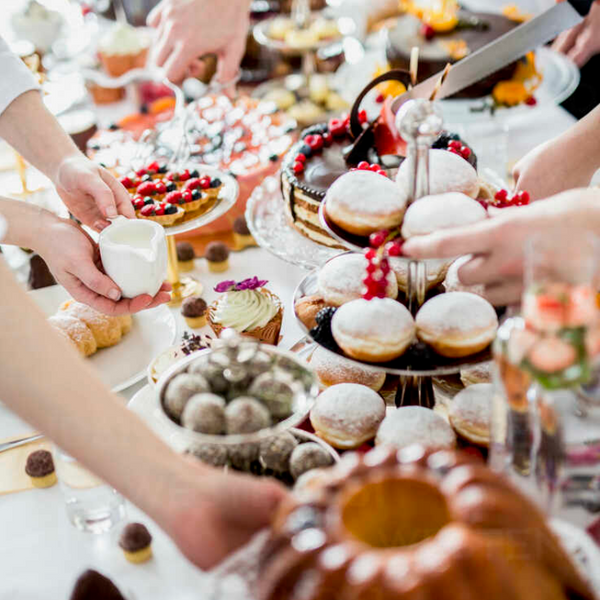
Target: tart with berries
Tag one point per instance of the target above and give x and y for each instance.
(163, 213)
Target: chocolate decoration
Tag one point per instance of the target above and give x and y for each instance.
(216, 252)
(185, 251)
(92, 585)
(240, 226)
(134, 537)
(39, 273)
(39, 464)
(194, 306)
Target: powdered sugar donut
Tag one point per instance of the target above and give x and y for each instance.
(448, 172)
(347, 415)
(362, 202)
(332, 369)
(375, 330)
(410, 425)
(340, 279)
(471, 413)
(457, 324)
(452, 282)
(431, 213)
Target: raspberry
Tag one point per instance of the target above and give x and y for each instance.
(148, 210)
(205, 182)
(138, 203)
(160, 210)
(298, 168)
(161, 187)
(126, 181)
(186, 196)
(173, 197)
(192, 184)
(140, 172)
(153, 167)
(380, 99)
(184, 176)
(147, 188)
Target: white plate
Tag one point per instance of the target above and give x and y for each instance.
(124, 364)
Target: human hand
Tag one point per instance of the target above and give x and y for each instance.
(74, 259)
(90, 192)
(189, 29)
(581, 42)
(498, 244)
(215, 513)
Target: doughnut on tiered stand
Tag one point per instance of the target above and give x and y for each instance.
(420, 123)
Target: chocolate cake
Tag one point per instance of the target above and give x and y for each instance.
(476, 30)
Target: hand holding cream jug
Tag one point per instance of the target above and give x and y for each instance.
(134, 255)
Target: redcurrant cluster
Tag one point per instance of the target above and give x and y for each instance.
(427, 31)
(378, 266)
(531, 101)
(503, 201)
(363, 165)
(459, 148)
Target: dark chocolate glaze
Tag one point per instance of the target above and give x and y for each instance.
(91, 585)
(135, 536)
(39, 464)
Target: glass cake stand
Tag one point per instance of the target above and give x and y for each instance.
(272, 231)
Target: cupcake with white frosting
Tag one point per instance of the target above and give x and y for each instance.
(123, 48)
(249, 308)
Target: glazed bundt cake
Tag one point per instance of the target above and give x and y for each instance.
(414, 525)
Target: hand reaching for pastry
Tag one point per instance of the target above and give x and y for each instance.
(498, 244)
(189, 29)
(74, 259)
(91, 193)
(582, 41)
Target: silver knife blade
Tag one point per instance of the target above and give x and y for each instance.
(501, 52)
(20, 442)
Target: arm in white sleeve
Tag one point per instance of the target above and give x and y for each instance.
(15, 77)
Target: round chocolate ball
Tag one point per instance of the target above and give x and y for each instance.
(205, 413)
(241, 456)
(308, 456)
(181, 388)
(275, 393)
(275, 452)
(212, 373)
(246, 415)
(211, 454)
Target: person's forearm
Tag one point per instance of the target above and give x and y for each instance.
(24, 222)
(581, 143)
(32, 130)
(48, 384)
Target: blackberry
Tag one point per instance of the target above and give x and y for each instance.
(162, 169)
(148, 200)
(325, 315)
(215, 183)
(170, 209)
(274, 158)
(306, 150)
(194, 174)
(113, 127)
(421, 356)
(444, 138)
(171, 187)
(196, 194)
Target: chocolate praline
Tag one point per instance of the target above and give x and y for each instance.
(276, 394)
(308, 456)
(242, 456)
(134, 537)
(180, 389)
(275, 452)
(246, 415)
(39, 464)
(91, 585)
(216, 252)
(205, 413)
(194, 306)
(210, 454)
(39, 273)
(240, 226)
(185, 251)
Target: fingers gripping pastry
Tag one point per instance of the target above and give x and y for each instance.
(347, 415)
(375, 330)
(448, 172)
(76, 331)
(340, 280)
(106, 330)
(415, 425)
(332, 369)
(362, 202)
(471, 413)
(457, 324)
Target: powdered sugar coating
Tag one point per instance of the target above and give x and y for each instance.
(473, 406)
(448, 172)
(340, 279)
(332, 369)
(75, 329)
(346, 415)
(415, 425)
(452, 282)
(443, 211)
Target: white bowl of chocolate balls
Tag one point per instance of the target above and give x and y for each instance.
(234, 406)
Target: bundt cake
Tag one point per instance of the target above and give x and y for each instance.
(414, 525)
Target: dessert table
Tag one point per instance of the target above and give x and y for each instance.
(42, 554)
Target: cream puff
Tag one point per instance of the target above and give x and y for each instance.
(457, 324)
(332, 369)
(410, 425)
(375, 330)
(448, 172)
(452, 282)
(362, 202)
(471, 413)
(347, 415)
(477, 373)
(340, 279)
(431, 213)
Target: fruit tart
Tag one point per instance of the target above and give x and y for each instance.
(163, 213)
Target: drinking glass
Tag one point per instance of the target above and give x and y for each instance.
(92, 505)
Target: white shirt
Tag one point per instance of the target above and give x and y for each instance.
(15, 77)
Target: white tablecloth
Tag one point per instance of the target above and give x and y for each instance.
(41, 554)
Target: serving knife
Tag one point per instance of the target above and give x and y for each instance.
(20, 442)
(501, 52)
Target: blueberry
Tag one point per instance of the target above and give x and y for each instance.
(162, 169)
(215, 183)
(113, 127)
(274, 158)
(170, 209)
(148, 200)
(147, 177)
(306, 150)
(171, 187)
(325, 315)
(194, 174)
(196, 194)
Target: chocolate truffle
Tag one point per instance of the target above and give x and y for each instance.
(242, 456)
(308, 456)
(211, 454)
(39, 273)
(217, 252)
(240, 226)
(275, 452)
(276, 394)
(246, 415)
(91, 585)
(194, 306)
(205, 413)
(211, 372)
(134, 537)
(185, 251)
(39, 464)
(180, 390)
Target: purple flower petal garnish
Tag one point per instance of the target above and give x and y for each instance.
(225, 286)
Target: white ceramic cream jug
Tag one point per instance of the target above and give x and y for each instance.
(134, 255)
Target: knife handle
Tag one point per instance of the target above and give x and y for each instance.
(583, 7)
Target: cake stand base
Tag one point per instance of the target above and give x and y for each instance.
(415, 390)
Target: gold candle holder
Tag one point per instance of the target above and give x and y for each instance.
(183, 287)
